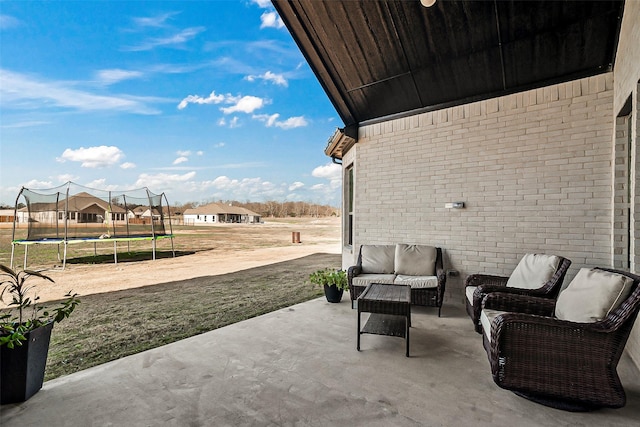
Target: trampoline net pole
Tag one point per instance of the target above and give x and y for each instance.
(173, 251)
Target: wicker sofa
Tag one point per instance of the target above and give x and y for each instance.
(563, 353)
(419, 266)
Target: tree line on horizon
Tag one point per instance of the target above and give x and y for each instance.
(271, 208)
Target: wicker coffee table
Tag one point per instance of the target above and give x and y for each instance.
(390, 308)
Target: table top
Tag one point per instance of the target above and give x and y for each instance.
(387, 293)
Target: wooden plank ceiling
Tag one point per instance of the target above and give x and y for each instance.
(377, 59)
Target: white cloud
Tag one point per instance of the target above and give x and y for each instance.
(233, 123)
(180, 160)
(199, 153)
(173, 40)
(162, 181)
(66, 178)
(269, 120)
(195, 99)
(296, 185)
(7, 21)
(272, 120)
(18, 88)
(25, 124)
(101, 184)
(35, 184)
(243, 104)
(154, 21)
(128, 165)
(292, 122)
(246, 104)
(93, 157)
(224, 187)
(116, 75)
(271, 20)
(219, 145)
(264, 4)
(329, 171)
(183, 153)
(268, 76)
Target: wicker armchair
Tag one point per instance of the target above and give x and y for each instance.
(558, 363)
(477, 286)
(424, 296)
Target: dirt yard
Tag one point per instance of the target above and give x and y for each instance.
(204, 251)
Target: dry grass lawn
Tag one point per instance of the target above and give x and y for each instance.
(223, 274)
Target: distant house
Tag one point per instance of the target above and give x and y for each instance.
(6, 215)
(80, 208)
(214, 213)
(144, 212)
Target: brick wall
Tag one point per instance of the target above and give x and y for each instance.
(533, 168)
(627, 86)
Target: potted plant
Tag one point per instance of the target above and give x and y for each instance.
(334, 282)
(25, 332)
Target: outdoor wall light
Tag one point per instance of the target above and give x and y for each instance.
(454, 205)
(427, 3)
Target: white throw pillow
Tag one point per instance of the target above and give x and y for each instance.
(415, 260)
(377, 259)
(592, 295)
(533, 271)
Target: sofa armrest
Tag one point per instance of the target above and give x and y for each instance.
(353, 271)
(485, 279)
(505, 301)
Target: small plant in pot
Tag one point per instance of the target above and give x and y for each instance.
(25, 332)
(334, 282)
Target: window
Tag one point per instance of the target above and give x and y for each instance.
(349, 205)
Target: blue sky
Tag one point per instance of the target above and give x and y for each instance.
(203, 100)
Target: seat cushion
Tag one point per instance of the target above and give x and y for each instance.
(469, 290)
(417, 282)
(366, 279)
(533, 271)
(592, 295)
(486, 317)
(378, 259)
(415, 260)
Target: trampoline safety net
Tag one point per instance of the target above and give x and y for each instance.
(72, 212)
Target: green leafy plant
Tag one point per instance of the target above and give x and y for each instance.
(328, 276)
(30, 315)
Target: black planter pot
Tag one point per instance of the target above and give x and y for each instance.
(332, 293)
(22, 367)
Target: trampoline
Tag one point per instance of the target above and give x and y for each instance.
(73, 214)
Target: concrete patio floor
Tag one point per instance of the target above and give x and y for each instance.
(299, 366)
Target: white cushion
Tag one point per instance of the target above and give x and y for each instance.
(592, 295)
(377, 259)
(417, 282)
(366, 279)
(486, 317)
(469, 290)
(533, 271)
(415, 260)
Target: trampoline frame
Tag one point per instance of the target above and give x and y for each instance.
(66, 242)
